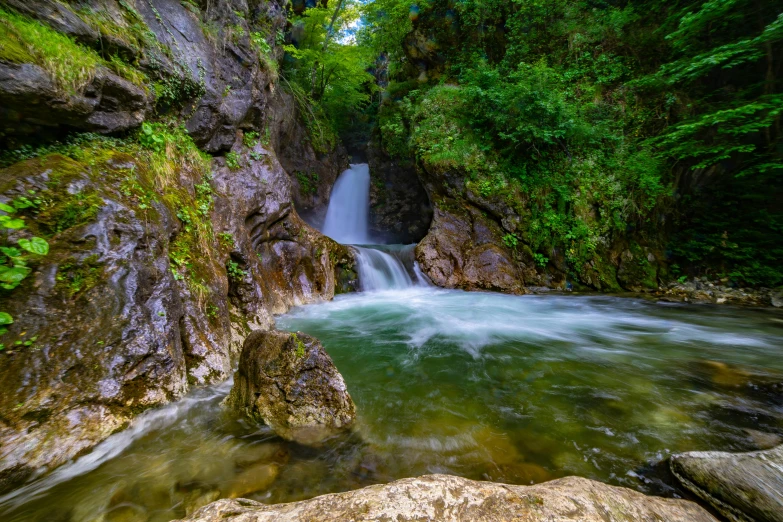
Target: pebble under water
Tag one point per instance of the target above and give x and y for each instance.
(515, 389)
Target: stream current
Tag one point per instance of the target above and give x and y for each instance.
(517, 389)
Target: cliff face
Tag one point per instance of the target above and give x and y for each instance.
(162, 258)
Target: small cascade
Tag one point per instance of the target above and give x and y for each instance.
(380, 270)
(348, 215)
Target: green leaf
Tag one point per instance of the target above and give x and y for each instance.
(12, 276)
(9, 222)
(36, 245)
(7, 208)
(11, 251)
(5, 318)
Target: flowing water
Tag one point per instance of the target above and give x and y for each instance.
(347, 217)
(516, 389)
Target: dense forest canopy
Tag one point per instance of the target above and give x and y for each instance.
(654, 119)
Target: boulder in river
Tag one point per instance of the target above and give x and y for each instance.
(288, 381)
(449, 498)
(741, 486)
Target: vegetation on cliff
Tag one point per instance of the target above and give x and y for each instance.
(599, 123)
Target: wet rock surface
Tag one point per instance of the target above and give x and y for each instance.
(112, 330)
(449, 498)
(288, 381)
(462, 250)
(400, 211)
(471, 243)
(312, 172)
(745, 487)
(131, 307)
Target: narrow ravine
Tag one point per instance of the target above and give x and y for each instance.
(515, 389)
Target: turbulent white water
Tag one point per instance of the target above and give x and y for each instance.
(347, 218)
(388, 267)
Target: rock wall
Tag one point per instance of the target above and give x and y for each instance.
(400, 210)
(162, 259)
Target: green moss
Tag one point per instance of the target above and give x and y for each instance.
(70, 65)
(66, 210)
(132, 31)
(639, 270)
(74, 277)
(300, 346)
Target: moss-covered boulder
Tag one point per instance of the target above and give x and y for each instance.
(288, 381)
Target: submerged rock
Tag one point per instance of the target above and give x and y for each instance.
(741, 486)
(449, 498)
(288, 381)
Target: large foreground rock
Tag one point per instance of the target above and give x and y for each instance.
(741, 486)
(289, 382)
(448, 498)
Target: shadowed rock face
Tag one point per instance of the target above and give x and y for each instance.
(741, 486)
(453, 499)
(400, 211)
(30, 101)
(289, 382)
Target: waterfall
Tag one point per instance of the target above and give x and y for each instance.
(380, 270)
(348, 215)
(380, 267)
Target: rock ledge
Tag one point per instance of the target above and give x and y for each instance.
(456, 499)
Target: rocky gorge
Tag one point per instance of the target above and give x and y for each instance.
(181, 183)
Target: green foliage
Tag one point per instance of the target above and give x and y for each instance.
(174, 91)
(234, 271)
(14, 259)
(522, 132)
(308, 182)
(540, 259)
(320, 130)
(250, 139)
(510, 240)
(265, 54)
(71, 65)
(300, 346)
(327, 76)
(585, 117)
(737, 118)
(227, 239)
(232, 160)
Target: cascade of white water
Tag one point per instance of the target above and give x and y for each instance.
(348, 215)
(380, 270)
(347, 221)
